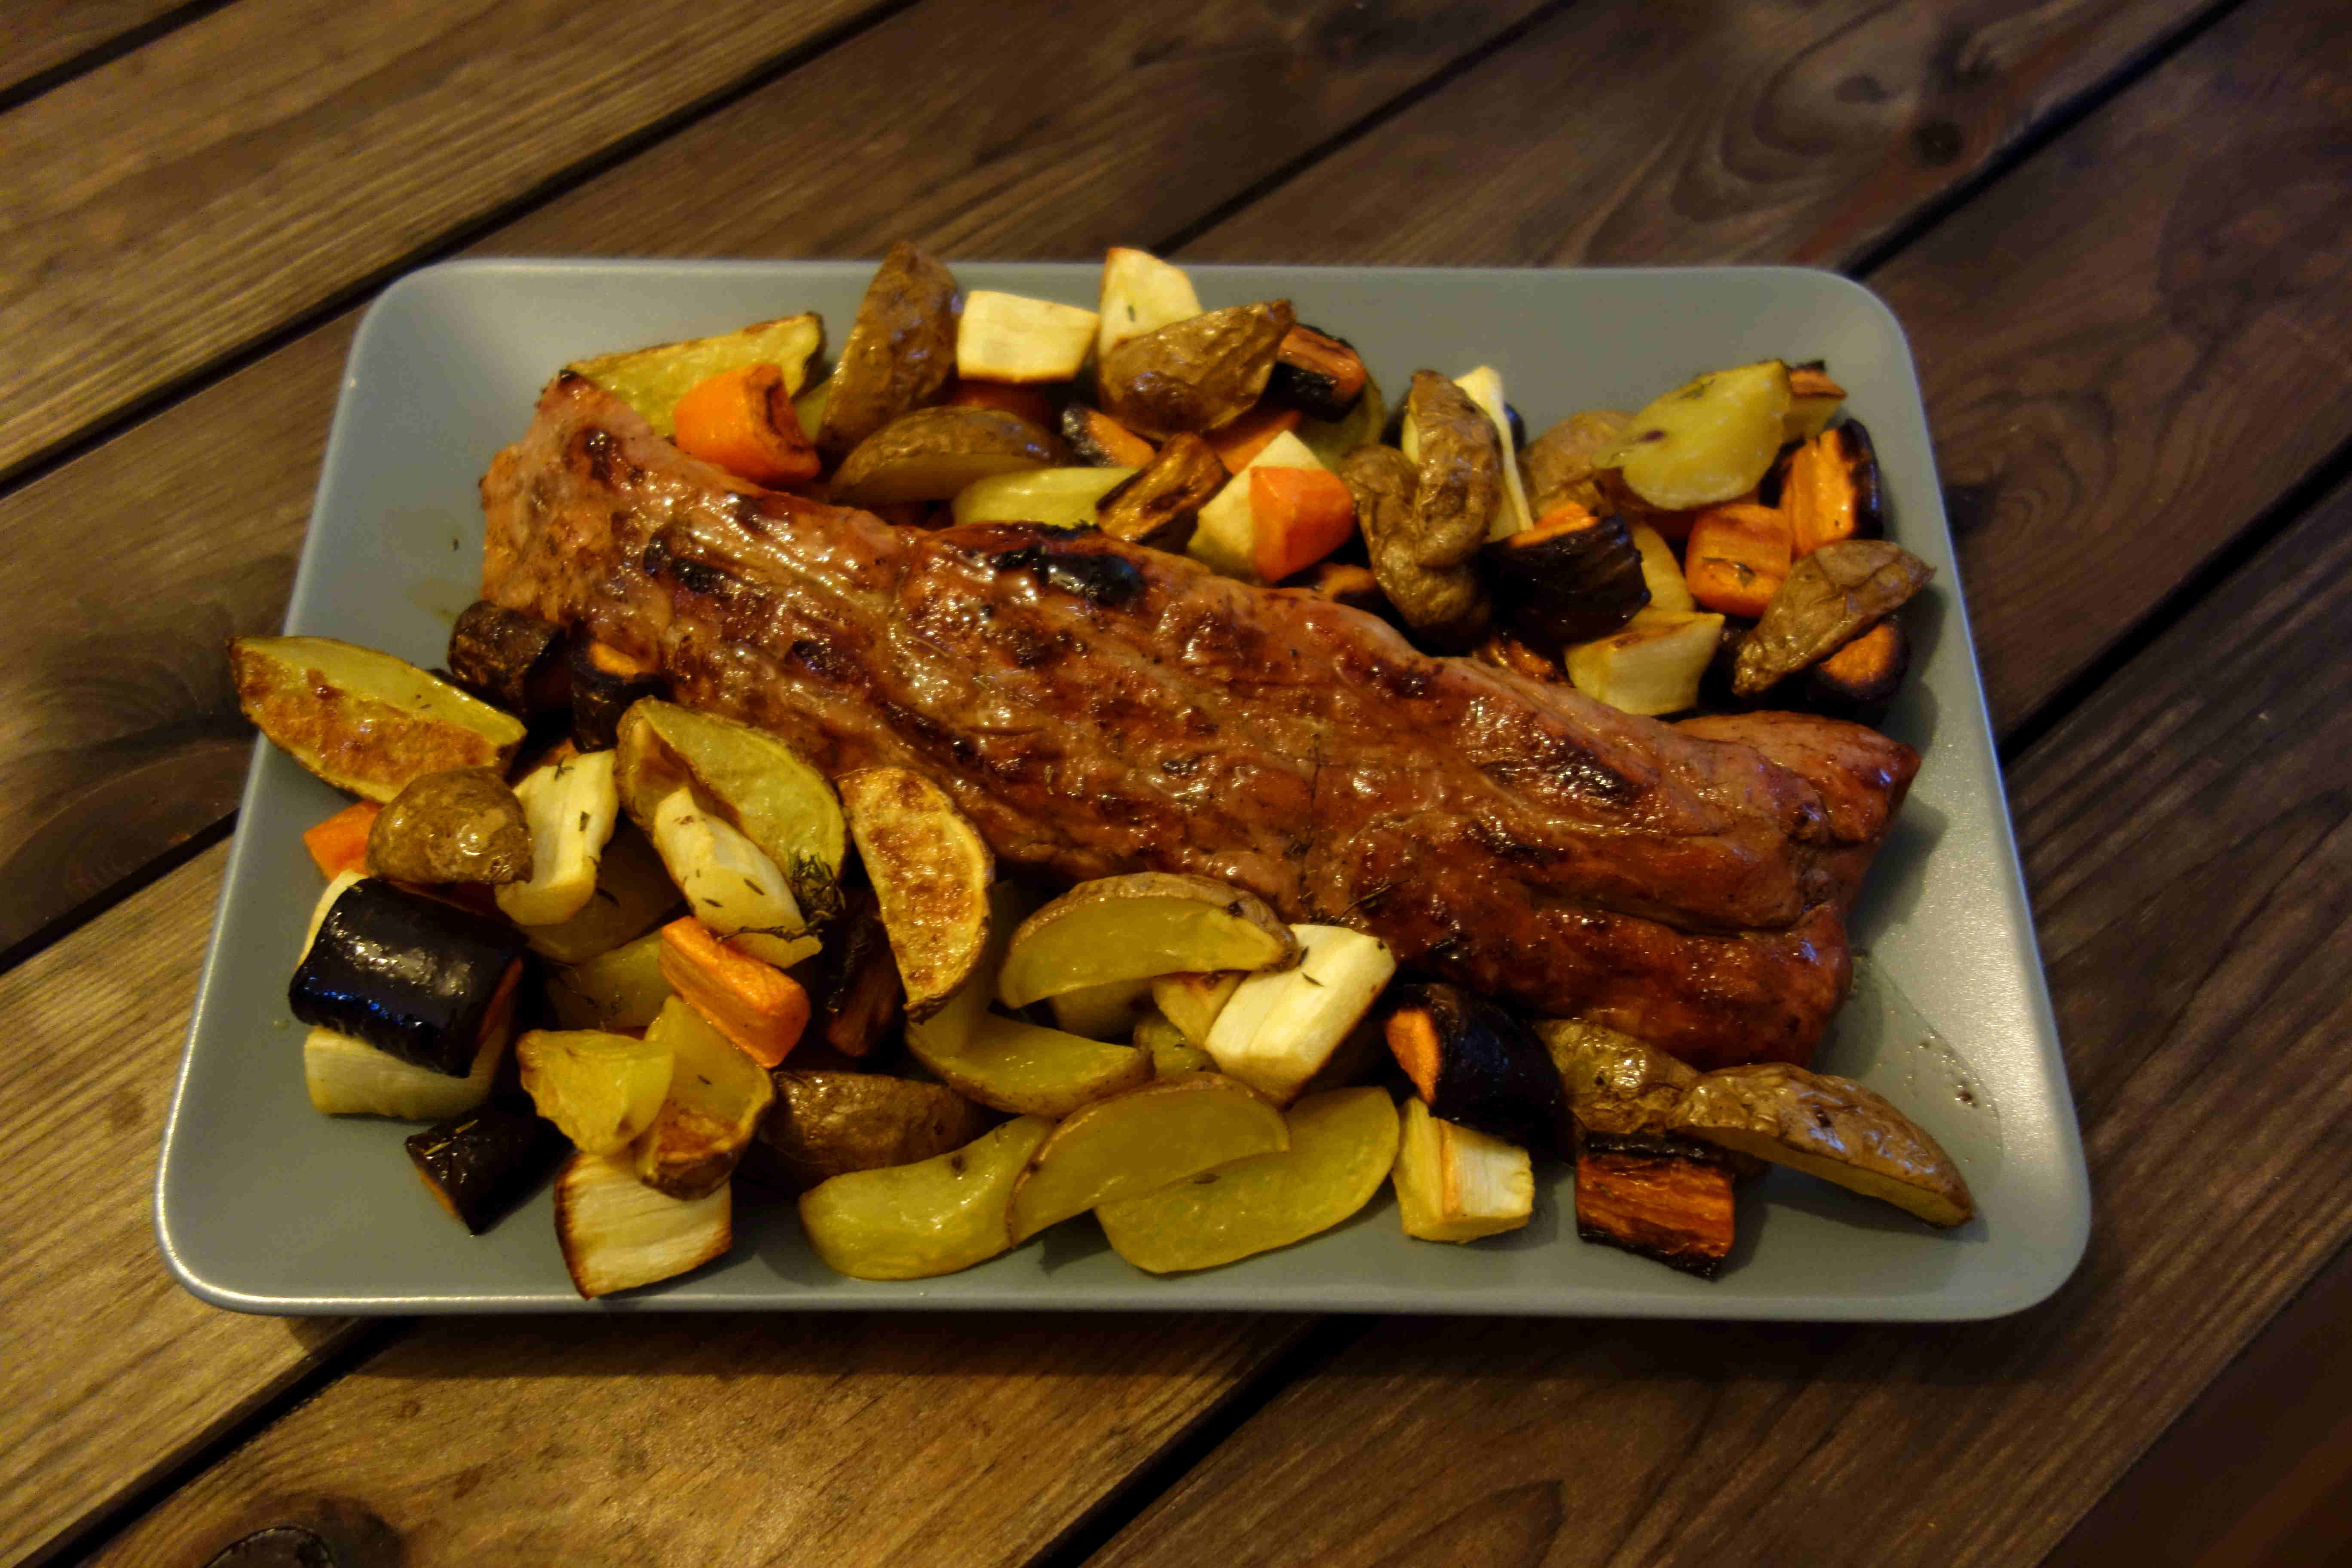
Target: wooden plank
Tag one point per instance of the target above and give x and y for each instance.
(2191, 843)
(2154, 270)
(113, 1373)
(45, 34)
(284, 150)
(860, 1441)
(119, 734)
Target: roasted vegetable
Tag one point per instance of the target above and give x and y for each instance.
(1456, 448)
(1454, 1184)
(1237, 443)
(1662, 572)
(731, 885)
(1100, 441)
(1196, 374)
(1139, 1142)
(1345, 583)
(1030, 403)
(1831, 598)
(1342, 1144)
(1484, 387)
(422, 979)
(1011, 337)
(759, 783)
(1192, 1001)
(1101, 1012)
(1736, 557)
(1322, 375)
(1829, 487)
(1503, 651)
(1615, 1083)
(1708, 440)
(600, 1089)
(1832, 1128)
(620, 989)
(652, 380)
(1159, 505)
(605, 684)
(743, 421)
(1140, 293)
(617, 1233)
(1439, 592)
(932, 454)
(1225, 535)
(1171, 1052)
(1663, 1198)
(1653, 667)
(931, 872)
(1057, 497)
(479, 1164)
(1859, 679)
(1571, 578)
(462, 825)
(1813, 400)
(510, 659)
(572, 807)
(1332, 439)
(1297, 516)
(1280, 1027)
(339, 844)
(760, 1010)
(853, 983)
(363, 721)
(716, 1097)
(900, 354)
(1477, 1064)
(632, 896)
(1561, 464)
(935, 1216)
(346, 1076)
(826, 1124)
(1137, 926)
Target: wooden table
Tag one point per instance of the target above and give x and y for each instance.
(2116, 231)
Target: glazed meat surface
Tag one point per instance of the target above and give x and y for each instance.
(1098, 708)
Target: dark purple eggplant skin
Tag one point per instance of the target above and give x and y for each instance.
(408, 974)
(1494, 1076)
(481, 1163)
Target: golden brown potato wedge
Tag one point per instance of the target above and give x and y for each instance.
(1832, 1128)
(931, 872)
(1139, 1142)
(621, 989)
(1615, 1083)
(1708, 440)
(363, 721)
(1652, 666)
(717, 1098)
(934, 454)
(933, 1217)
(600, 1089)
(900, 355)
(652, 380)
(1560, 464)
(827, 1124)
(1057, 498)
(1136, 926)
(1196, 374)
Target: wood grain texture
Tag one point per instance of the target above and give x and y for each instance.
(111, 1371)
(858, 1441)
(283, 150)
(41, 34)
(119, 734)
(2191, 839)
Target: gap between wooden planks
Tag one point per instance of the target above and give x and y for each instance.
(45, 35)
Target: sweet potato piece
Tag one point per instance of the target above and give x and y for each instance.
(1021, 401)
(1864, 675)
(1830, 490)
(1658, 1197)
(1736, 558)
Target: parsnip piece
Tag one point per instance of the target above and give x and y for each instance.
(571, 807)
(1279, 1028)
(1653, 667)
(1485, 387)
(1225, 539)
(348, 1077)
(617, 1233)
(1140, 293)
(730, 886)
(1011, 337)
(1455, 1184)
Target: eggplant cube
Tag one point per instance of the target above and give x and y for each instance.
(1279, 1028)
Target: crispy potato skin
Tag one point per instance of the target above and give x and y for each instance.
(461, 824)
(825, 1124)
(1195, 375)
(929, 454)
(931, 873)
(1561, 464)
(1829, 597)
(900, 354)
(1159, 506)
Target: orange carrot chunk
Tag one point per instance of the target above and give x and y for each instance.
(339, 843)
(1736, 557)
(760, 1009)
(1297, 516)
(743, 421)
(1027, 402)
(1251, 434)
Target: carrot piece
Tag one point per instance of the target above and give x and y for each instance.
(1297, 516)
(1251, 434)
(743, 421)
(1736, 557)
(339, 843)
(1026, 402)
(760, 1009)
(1101, 441)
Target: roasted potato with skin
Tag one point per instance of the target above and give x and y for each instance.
(462, 825)
(1195, 375)
(1829, 598)
(1136, 926)
(899, 356)
(1708, 440)
(510, 659)
(1055, 498)
(1139, 1142)
(827, 1124)
(652, 380)
(1563, 463)
(1159, 506)
(934, 454)
(363, 721)
(935, 1216)
(1445, 603)
(716, 1099)
(931, 872)
(1832, 1128)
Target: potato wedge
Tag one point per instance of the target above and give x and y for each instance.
(1560, 465)
(756, 782)
(1014, 338)
(1196, 374)
(601, 1090)
(462, 825)
(621, 989)
(1136, 926)
(363, 721)
(1832, 1128)
(1171, 1052)
(1140, 293)
(935, 1216)
(1139, 1142)
(1192, 1001)
(616, 1233)
(1661, 572)
(827, 1124)
(1058, 497)
(1160, 504)
(716, 1097)
(931, 872)
(1830, 598)
(1101, 1012)
(652, 380)
(1708, 440)
(1653, 667)
(900, 355)
(1342, 1144)
(932, 454)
